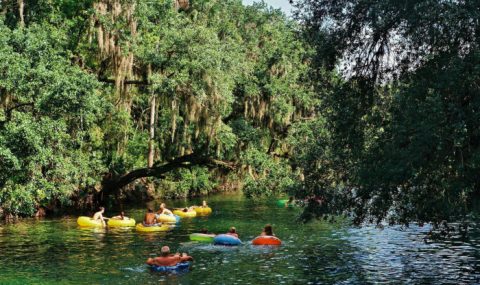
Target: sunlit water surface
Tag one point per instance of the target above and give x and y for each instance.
(59, 252)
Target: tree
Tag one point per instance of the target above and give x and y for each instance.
(399, 117)
(190, 96)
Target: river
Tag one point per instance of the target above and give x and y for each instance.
(57, 251)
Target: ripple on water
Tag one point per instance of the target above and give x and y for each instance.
(54, 251)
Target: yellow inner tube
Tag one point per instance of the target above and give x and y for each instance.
(189, 214)
(141, 228)
(88, 222)
(166, 218)
(203, 211)
(121, 223)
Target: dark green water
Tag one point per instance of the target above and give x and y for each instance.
(58, 252)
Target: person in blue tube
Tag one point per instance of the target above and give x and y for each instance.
(168, 259)
(232, 232)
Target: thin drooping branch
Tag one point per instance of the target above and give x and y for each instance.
(8, 112)
(126, 82)
(131, 82)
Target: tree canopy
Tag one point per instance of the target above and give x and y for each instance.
(363, 108)
(182, 97)
(402, 143)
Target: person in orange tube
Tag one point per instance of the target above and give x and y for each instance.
(267, 231)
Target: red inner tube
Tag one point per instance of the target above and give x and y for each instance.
(266, 240)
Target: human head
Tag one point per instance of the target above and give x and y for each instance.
(204, 231)
(162, 206)
(185, 210)
(150, 210)
(290, 199)
(101, 209)
(268, 230)
(165, 251)
(204, 203)
(233, 230)
(122, 214)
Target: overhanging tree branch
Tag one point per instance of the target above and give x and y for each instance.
(158, 170)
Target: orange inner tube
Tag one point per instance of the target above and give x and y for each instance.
(266, 240)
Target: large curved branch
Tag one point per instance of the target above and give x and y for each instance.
(158, 170)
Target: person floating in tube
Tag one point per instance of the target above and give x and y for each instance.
(267, 231)
(168, 259)
(232, 232)
(98, 216)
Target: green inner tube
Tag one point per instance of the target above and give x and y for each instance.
(202, 237)
(282, 202)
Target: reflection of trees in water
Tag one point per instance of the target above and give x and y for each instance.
(400, 254)
(332, 262)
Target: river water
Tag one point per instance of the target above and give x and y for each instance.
(57, 251)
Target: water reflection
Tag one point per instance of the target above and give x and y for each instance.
(57, 251)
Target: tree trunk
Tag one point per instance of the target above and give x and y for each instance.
(151, 145)
(21, 7)
(151, 139)
(3, 7)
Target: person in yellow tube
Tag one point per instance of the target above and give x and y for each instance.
(98, 216)
(163, 210)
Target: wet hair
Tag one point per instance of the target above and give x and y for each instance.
(290, 199)
(233, 230)
(185, 209)
(204, 231)
(268, 230)
(150, 210)
(165, 251)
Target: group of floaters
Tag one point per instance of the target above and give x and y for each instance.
(162, 220)
(152, 222)
(168, 262)
(231, 237)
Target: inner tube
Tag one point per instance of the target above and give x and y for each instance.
(282, 202)
(266, 240)
(189, 214)
(179, 267)
(203, 211)
(224, 239)
(89, 222)
(168, 218)
(121, 223)
(202, 237)
(161, 228)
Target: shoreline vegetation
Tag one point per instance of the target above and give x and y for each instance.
(368, 110)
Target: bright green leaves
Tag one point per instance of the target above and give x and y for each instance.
(49, 106)
(230, 82)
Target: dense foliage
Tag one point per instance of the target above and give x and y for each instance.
(182, 97)
(365, 108)
(403, 139)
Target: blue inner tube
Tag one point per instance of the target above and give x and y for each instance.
(224, 239)
(179, 267)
